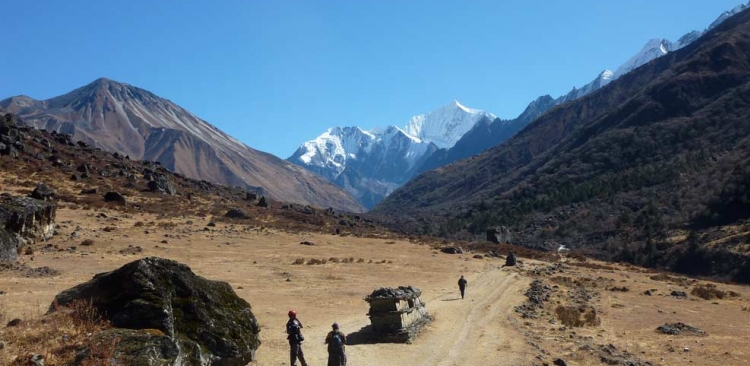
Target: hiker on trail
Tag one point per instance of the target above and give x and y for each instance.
(336, 341)
(462, 285)
(294, 335)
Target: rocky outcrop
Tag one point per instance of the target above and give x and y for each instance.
(28, 218)
(162, 184)
(164, 314)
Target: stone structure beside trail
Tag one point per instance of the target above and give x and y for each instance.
(397, 314)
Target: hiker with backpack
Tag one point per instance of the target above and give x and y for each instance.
(294, 335)
(462, 285)
(336, 341)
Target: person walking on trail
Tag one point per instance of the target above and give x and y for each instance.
(294, 335)
(462, 285)
(336, 341)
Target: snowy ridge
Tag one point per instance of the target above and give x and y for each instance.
(361, 161)
(653, 49)
(441, 127)
(445, 125)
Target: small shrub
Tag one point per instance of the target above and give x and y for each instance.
(139, 224)
(333, 260)
(299, 261)
(167, 225)
(87, 243)
(572, 316)
(361, 260)
(708, 292)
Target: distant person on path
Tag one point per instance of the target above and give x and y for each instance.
(462, 285)
(336, 341)
(294, 335)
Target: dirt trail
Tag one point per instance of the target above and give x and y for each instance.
(476, 331)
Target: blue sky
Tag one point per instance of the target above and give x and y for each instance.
(277, 73)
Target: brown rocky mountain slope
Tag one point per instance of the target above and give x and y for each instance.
(136, 123)
(641, 170)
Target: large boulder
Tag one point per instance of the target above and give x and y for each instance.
(197, 321)
(28, 218)
(498, 235)
(42, 192)
(114, 197)
(236, 213)
(162, 184)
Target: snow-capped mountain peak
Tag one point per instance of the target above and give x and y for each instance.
(371, 164)
(445, 125)
(654, 48)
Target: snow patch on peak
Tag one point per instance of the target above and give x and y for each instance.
(445, 125)
(654, 48)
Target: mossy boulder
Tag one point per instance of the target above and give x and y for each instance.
(205, 320)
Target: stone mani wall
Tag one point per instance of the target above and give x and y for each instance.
(397, 315)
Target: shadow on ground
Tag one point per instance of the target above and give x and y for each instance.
(363, 336)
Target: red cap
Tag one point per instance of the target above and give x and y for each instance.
(292, 313)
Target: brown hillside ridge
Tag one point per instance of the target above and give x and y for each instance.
(85, 177)
(134, 122)
(629, 172)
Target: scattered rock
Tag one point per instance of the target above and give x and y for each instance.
(537, 294)
(36, 360)
(680, 294)
(452, 250)
(89, 191)
(510, 260)
(14, 323)
(236, 213)
(42, 192)
(251, 196)
(159, 309)
(680, 328)
(131, 250)
(262, 202)
(307, 243)
(114, 197)
(559, 362)
(478, 256)
(619, 289)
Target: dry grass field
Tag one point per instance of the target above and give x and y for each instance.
(483, 329)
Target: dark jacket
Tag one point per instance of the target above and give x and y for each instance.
(294, 331)
(462, 283)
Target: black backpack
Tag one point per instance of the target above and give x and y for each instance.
(337, 342)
